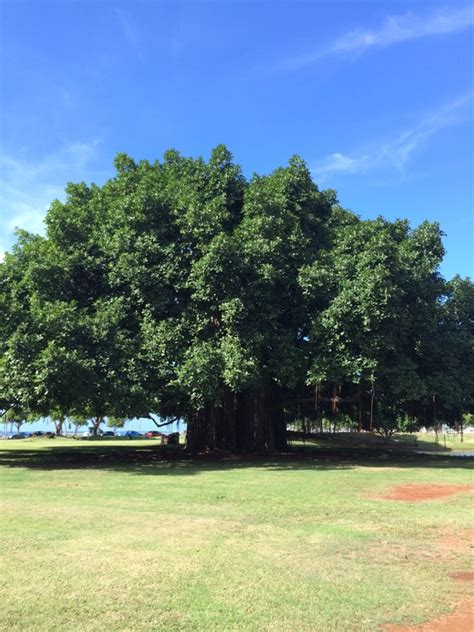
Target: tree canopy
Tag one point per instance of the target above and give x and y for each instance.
(182, 289)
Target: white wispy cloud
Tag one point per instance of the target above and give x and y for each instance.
(394, 152)
(28, 187)
(394, 30)
(130, 32)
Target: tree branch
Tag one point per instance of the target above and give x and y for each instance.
(163, 423)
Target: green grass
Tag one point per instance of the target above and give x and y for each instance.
(130, 536)
(443, 442)
(424, 442)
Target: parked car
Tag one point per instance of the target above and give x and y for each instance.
(19, 435)
(133, 434)
(153, 433)
(108, 433)
(90, 433)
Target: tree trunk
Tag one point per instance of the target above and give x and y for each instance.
(225, 422)
(58, 425)
(334, 399)
(372, 398)
(197, 439)
(263, 430)
(96, 425)
(317, 405)
(359, 409)
(251, 421)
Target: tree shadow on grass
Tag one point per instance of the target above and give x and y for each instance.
(170, 461)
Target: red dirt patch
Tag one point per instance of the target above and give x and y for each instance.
(460, 620)
(463, 576)
(419, 492)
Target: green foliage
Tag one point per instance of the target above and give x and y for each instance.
(16, 416)
(468, 419)
(184, 290)
(115, 422)
(390, 422)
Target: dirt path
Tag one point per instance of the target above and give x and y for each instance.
(420, 492)
(460, 620)
(463, 576)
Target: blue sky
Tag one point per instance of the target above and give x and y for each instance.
(377, 97)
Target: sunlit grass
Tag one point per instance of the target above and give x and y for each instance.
(107, 536)
(444, 440)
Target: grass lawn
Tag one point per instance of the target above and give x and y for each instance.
(113, 536)
(444, 441)
(423, 442)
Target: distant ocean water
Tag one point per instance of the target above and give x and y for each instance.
(46, 425)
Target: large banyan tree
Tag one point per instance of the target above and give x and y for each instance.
(181, 289)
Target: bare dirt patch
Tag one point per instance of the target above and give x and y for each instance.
(447, 545)
(463, 576)
(460, 541)
(418, 492)
(460, 620)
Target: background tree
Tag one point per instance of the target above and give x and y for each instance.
(16, 416)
